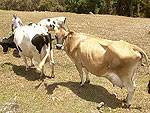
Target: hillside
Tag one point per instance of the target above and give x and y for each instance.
(63, 94)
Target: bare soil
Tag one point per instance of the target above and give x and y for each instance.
(63, 94)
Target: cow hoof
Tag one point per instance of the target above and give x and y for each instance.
(81, 84)
(32, 65)
(42, 76)
(38, 70)
(125, 100)
(87, 81)
(127, 106)
(52, 76)
(27, 69)
(143, 64)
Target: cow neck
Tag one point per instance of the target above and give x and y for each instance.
(71, 43)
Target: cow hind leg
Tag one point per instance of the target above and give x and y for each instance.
(131, 89)
(42, 72)
(31, 62)
(129, 84)
(25, 60)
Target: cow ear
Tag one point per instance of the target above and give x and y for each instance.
(43, 35)
(70, 34)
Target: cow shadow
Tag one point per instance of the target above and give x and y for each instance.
(89, 92)
(30, 75)
(92, 93)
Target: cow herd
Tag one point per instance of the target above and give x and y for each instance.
(115, 60)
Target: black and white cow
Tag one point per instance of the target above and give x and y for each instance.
(50, 23)
(35, 42)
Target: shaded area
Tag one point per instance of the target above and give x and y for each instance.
(88, 92)
(30, 75)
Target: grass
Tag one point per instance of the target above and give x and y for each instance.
(63, 94)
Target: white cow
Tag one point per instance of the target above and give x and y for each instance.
(35, 42)
(51, 22)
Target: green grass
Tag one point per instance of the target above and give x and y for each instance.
(63, 94)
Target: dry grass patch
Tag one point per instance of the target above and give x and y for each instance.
(63, 94)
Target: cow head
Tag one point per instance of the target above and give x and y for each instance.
(8, 43)
(5, 46)
(61, 35)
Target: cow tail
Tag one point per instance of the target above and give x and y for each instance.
(143, 55)
(39, 68)
(146, 58)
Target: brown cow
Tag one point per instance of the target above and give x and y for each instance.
(115, 60)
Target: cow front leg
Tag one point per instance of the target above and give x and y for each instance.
(31, 62)
(25, 61)
(87, 76)
(52, 63)
(79, 68)
(42, 72)
(52, 68)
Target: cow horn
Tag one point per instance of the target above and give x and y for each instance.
(67, 27)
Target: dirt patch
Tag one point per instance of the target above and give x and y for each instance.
(63, 93)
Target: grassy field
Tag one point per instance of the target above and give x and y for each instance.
(63, 94)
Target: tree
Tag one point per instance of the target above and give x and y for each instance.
(131, 8)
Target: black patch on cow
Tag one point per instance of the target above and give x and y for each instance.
(39, 40)
(19, 49)
(54, 22)
(48, 20)
(53, 26)
(30, 24)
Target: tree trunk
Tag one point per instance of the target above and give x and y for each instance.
(138, 9)
(131, 8)
(108, 6)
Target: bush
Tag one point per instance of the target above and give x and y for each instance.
(50, 5)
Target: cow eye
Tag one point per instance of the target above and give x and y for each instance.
(65, 37)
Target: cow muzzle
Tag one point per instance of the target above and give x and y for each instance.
(59, 46)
